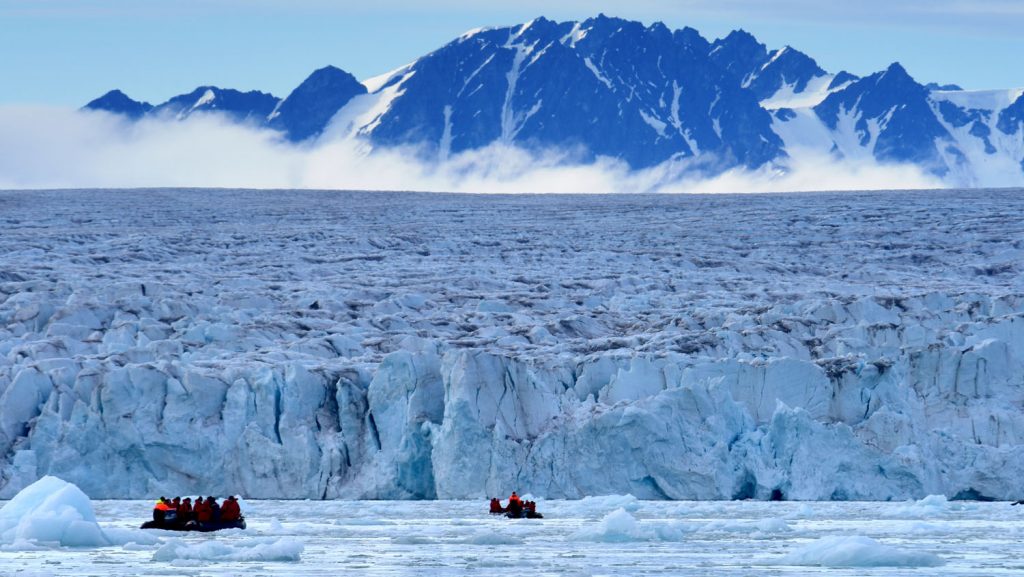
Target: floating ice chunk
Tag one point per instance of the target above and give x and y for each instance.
(21, 545)
(616, 527)
(804, 511)
(283, 549)
(934, 502)
(921, 528)
(493, 538)
(772, 525)
(51, 511)
(144, 539)
(930, 506)
(598, 505)
(620, 526)
(413, 540)
(857, 551)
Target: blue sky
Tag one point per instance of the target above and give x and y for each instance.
(66, 52)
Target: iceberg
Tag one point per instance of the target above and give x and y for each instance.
(50, 512)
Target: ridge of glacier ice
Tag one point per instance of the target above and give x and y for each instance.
(360, 345)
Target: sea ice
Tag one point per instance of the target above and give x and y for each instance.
(858, 551)
(456, 538)
(282, 549)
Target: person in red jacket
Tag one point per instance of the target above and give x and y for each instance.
(230, 511)
(203, 511)
(185, 510)
(531, 509)
(496, 506)
(515, 506)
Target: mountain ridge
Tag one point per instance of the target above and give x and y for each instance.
(644, 95)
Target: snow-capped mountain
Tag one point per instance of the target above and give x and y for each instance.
(253, 106)
(889, 114)
(644, 95)
(608, 86)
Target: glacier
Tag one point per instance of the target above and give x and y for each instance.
(315, 344)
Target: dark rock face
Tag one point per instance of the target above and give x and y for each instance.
(308, 109)
(761, 71)
(604, 86)
(1012, 118)
(118, 102)
(253, 106)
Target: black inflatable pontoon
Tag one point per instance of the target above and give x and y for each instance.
(195, 525)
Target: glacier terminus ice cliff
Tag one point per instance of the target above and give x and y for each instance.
(300, 344)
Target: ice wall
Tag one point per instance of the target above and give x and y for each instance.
(312, 359)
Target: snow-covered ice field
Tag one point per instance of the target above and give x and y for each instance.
(302, 344)
(598, 536)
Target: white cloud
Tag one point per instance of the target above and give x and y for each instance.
(60, 148)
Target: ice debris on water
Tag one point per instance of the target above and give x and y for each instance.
(930, 506)
(857, 551)
(259, 549)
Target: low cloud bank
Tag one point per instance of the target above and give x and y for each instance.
(59, 148)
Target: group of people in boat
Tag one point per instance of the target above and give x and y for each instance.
(178, 510)
(516, 508)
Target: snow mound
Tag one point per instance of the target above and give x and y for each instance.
(284, 549)
(53, 512)
(857, 551)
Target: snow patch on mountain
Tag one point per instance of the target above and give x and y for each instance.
(207, 98)
(990, 100)
(790, 95)
(364, 113)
